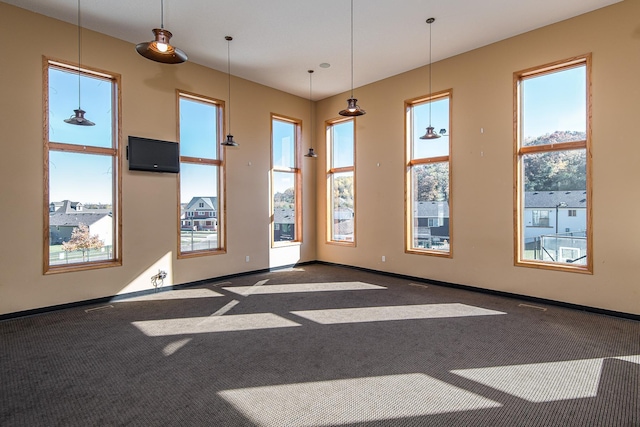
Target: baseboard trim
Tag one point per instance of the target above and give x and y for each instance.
(107, 299)
(102, 300)
(528, 298)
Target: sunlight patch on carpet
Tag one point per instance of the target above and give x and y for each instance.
(212, 324)
(542, 382)
(387, 313)
(302, 287)
(352, 401)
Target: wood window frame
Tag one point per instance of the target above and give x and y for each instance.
(114, 152)
(519, 152)
(410, 162)
(219, 162)
(297, 173)
(331, 172)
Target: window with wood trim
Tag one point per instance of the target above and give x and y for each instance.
(428, 175)
(82, 228)
(341, 198)
(201, 190)
(552, 133)
(286, 180)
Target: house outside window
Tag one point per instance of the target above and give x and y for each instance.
(552, 140)
(341, 209)
(286, 180)
(428, 175)
(200, 124)
(81, 169)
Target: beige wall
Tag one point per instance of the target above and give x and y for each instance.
(482, 184)
(149, 214)
(482, 187)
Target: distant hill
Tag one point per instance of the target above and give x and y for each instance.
(555, 138)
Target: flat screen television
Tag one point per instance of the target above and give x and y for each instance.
(153, 155)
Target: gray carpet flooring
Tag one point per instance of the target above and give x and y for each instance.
(321, 346)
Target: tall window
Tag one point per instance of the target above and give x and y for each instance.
(285, 180)
(552, 169)
(201, 220)
(428, 175)
(81, 169)
(341, 181)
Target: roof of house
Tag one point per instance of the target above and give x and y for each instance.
(432, 209)
(209, 202)
(284, 216)
(75, 219)
(69, 207)
(551, 199)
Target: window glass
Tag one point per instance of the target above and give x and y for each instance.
(285, 180)
(200, 223)
(429, 174)
(340, 179)
(81, 165)
(553, 181)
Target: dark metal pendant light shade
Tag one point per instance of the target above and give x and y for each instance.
(229, 142)
(159, 49)
(311, 153)
(78, 117)
(353, 109)
(430, 133)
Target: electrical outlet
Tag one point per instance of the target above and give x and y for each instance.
(246, 259)
(384, 258)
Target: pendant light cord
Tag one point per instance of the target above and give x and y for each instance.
(351, 48)
(430, 93)
(162, 14)
(229, 78)
(79, 53)
(310, 110)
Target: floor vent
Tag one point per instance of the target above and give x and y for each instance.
(535, 307)
(104, 307)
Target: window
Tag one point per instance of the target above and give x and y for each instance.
(341, 181)
(81, 169)
(539, 218)
(201, 172)
(286, 193)
(552, 143)
(428, 175)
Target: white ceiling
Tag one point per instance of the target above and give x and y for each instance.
(277, 41)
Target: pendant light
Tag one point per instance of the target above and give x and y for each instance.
(229, 142)
(430, 133)
(311, 153)
(353, 109)
(159, 49)
(78, 117)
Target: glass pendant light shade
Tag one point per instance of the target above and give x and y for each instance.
(159, 49)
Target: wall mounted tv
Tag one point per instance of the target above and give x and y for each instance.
(153, 155)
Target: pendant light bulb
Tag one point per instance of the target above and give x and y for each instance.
(353, 109)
